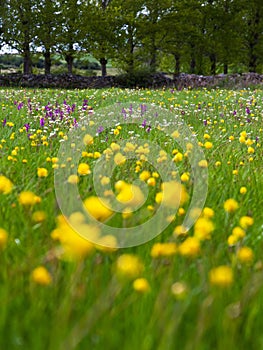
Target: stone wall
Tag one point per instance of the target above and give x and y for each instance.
(158, 80)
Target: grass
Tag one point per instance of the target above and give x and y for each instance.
(85, 295)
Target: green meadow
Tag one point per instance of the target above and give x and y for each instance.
(131, 219)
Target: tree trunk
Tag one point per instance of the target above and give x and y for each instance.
(47, 57)
(27, 65)
(69, 59)
(130, 68)
(103, 63)
(253, 42)
(177, 65)
(225, 68)
(213, 63)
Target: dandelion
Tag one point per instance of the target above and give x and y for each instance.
(28, 198)
(179, 290)
(73, 179)
(119, 159)
(246, 221)
(243, 190)
(3, 238)
(40, 275)
(141, 285)
(42, 172)
(163, 250)
(83, 169)
(98, 208)
(203, 228)
(231, 205)
(6, 185)
(221, 276)
(39, 216)
(245, 255)
(190, 247)
(129, 266)
(238, 232)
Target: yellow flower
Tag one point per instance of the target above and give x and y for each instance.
(129, 266)
(119, 159)
(243, 190)
(98, 208)
(245, 255)
(185, 177)
(231, 205)
(221, 276)
(3, 238)
(232, 240)
(208, 212)
(6, 185)
(163, 250)
(40, 275)
(151, 181)
(141, 285)
(179, 230)
(84, 169)
(39, 216)
(73, 179)
(203, 228)
(246, 221)
(145, 175)
(250, 150)
(107, 244)
(179, 290)
(42, 172)
(208, 145)
(131, 195)
(173, 194)
(238, 232)
(190, 247)
(28, 198)
(203, 163)
(178, 157)
(88, 139)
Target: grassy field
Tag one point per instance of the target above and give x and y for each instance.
(131, 219)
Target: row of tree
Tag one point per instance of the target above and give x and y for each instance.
(196, 36)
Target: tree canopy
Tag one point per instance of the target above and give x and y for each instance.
(192, 36)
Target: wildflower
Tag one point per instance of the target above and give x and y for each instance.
(40, 275)
(42, 172)
(232, 240)
(88, 140)
(179, 230)
(98, 208)
(129, 194)
(28, 198)
(250, 150)
(73, 179)
(238, 232)
(203, 228)
(245, 255)
(179, 290)
(3, 238)
(246, 221)
(221, 276)
(107, 244)
(141, 285)
(178, 157)
(231, 205)
(243, 190)
(129, 266)
(173, 194)
(39, 216)
(163, 249)
(190, 247)
(119, 159)
(84, 169)
(6, 185)
(208, 145)
(185, 177)
(151, 181)
(203, 163)
(145, 175)
(208, 212)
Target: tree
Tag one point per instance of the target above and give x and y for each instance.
(69, 32)
(46, 28)
(18, 28)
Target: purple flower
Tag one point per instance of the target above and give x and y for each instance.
(148, 129)
(143, 109)
(144, 123)
(27, 126)
(248, 110)
(235, 112)
(42, 122)
(100, 129)
(4, 122)
(205, 122)
(124, 112)
(19, 106)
